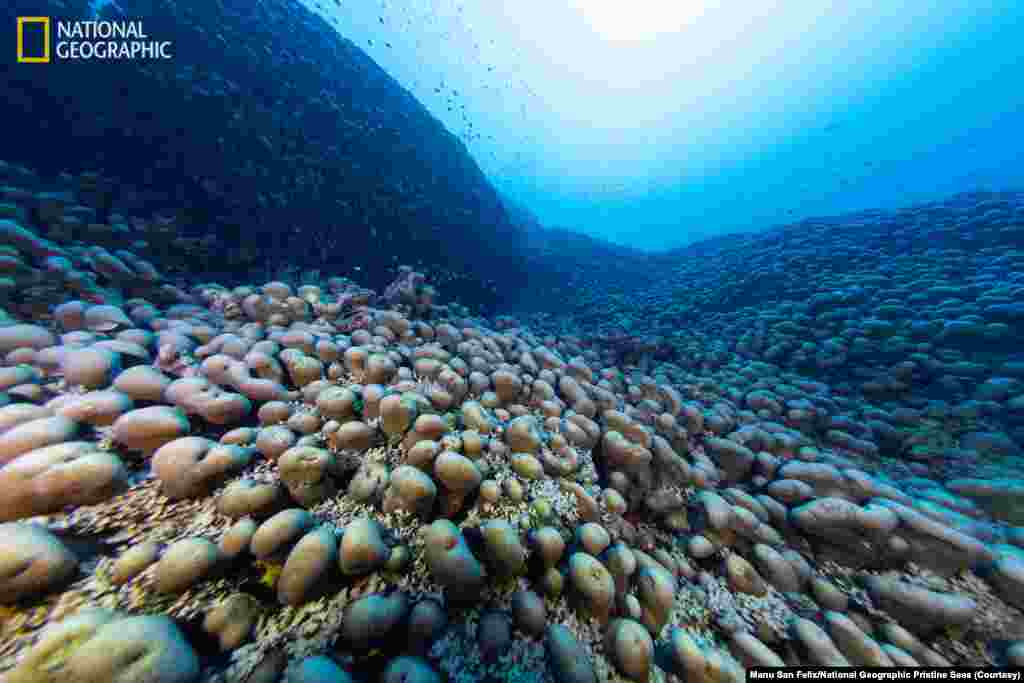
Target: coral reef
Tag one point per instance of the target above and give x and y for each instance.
(282, 151)
(315, 481)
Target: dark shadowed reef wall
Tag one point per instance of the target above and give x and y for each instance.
(269, 128)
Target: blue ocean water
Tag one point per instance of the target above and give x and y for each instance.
(729, 118)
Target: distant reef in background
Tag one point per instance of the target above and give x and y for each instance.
(270, 130)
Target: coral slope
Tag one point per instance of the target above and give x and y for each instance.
(321, 481)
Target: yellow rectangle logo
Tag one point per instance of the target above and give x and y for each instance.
(36, 59)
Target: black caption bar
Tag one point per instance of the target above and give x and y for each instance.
(952, 673)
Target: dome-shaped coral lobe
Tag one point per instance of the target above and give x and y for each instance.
(307, 564)
(99, 645)
(280, 532)
(51, 478)
(192, 466)
(147, 429)
(185, 563)
(451, 562)
(529, 612)
(362, 547)
(32, 561)
(631, 648)
(30, 435)
(370, 621)
(232, 620)
(133, 561)
(408, 669)
(569, 661)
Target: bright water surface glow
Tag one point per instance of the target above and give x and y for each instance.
(635, 20)
(732, 115)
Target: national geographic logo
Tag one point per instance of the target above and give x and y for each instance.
(36, 49)
(86, 41)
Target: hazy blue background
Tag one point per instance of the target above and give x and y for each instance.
(739, 115)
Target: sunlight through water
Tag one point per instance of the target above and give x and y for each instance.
(635, 20)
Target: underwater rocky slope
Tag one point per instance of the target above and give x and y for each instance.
(313, 480)
(270, 131)
(917, 314)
